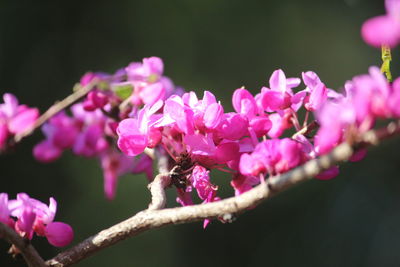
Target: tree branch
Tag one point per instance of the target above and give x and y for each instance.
(151, 219)
(29, 253)
(57, 107)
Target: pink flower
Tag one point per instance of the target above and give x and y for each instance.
(149, 70)
(61, 132)
(15, 118)
(135, 134)
(317, 92)
(233, 126)
(244, 103)
(280, 122)
(94, 100)
(147, 80)
(272, 156)
(206, 191)
(34, 216)
(177, 114)
(333, 118)
(384, 29)
(278, 96)
(91, 141)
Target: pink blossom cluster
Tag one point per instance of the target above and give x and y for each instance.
(14, 118)
(90, 130)
(366, 98)
(27, 216)
(384, 29)
(247, 142)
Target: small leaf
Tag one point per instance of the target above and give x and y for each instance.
(123, 91)
(102, 85)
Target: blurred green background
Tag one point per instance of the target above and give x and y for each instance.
(218, 45)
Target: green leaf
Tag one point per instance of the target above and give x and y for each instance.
(123, 91)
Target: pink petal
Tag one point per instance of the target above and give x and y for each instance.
(154, 64)
(260, 125)
(132, 145)
(213, 115)
(274, 100)
(4, 211)
(23, 120)
(208, 99)
(311, 79)
(226, 152)
(152, 93)
(10, 106)
(128, 127)
(233, 126)
(277, 81)
(317, 97)
(3, 133)
(200, 145)
(243, 102)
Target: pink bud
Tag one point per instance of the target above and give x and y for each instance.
(59, 234)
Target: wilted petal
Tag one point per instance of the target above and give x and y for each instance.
(328, 174)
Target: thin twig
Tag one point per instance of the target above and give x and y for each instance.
(31, 256)
(151, 219)
(156, 187)
(306, 129)
(161, 181)
(57, 107)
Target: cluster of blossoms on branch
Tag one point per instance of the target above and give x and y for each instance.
(27, 216)
(128, 116)
(90, 130)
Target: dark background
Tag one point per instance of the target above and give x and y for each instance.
(218, 45)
